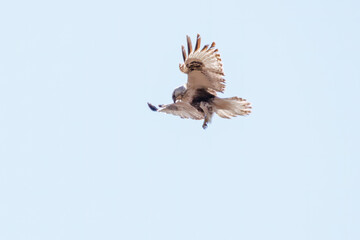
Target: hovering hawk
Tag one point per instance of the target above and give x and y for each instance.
(197, 99)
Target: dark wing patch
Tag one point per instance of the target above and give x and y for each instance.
(195, 65)
(152, 107)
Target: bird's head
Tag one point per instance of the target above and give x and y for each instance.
(178, 93)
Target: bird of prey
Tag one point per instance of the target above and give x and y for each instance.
(198, 99)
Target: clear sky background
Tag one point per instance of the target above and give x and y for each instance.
(82, 156)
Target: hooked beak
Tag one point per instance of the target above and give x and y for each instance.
(174, 98)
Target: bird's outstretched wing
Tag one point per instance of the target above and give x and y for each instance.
(203, 66)
(181, 109)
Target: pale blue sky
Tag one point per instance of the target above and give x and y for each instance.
(82, 156)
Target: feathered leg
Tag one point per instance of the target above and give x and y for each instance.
(208, 112)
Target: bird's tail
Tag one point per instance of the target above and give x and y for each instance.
(231, 107)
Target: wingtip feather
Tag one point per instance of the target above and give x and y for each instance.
(183, 52)
(152, 107)
(189, 44)
(205, 47)
(198, 42)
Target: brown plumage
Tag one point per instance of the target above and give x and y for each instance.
(212, 47)
(189, 44)
(198, 42)
(205, 47)
(183, 53)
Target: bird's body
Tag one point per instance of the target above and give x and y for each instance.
(197, 99)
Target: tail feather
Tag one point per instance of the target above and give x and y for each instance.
(231, 107)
